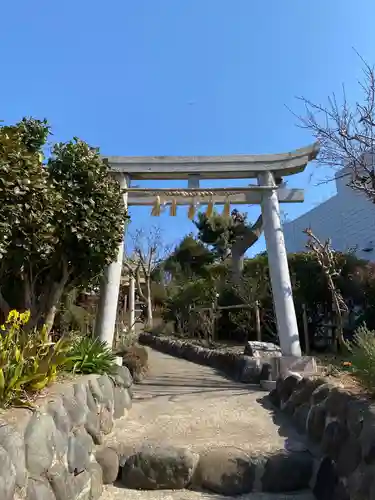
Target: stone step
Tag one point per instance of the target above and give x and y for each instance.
(224, 471)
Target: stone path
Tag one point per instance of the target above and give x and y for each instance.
(185, 404)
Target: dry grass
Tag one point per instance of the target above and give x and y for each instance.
(332, 367)
(136, 359)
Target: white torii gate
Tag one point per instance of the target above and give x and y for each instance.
(264, 168)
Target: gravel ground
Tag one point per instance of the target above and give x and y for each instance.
(113, 493)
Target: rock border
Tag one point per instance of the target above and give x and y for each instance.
(242, 368)
(341, 426)
(224, 470)
(48, 451)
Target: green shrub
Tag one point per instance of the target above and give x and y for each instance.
(29, 361)
(363, 357)
(184, 297)
(135, 358)
(90, 355)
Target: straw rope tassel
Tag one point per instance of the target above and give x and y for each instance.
(226, 209)
(173, 210)
(155, 212)
(191, 212)
(210, 208)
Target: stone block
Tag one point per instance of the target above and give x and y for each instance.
(78, 454)
(108, 460)
(159, 468)
(334, 436)
(96, 475)
(225, 471)
(258, 349)
(349, 457)
(123, 377)
(321, 393)
(12, 442)
(7, 476)
(304, 365)
(39, 489)
(286, 386)
(316, 422)
(285, 472)
(326, 480)
(62, 482)
(300, 417)
(40, 443)
(304, 390)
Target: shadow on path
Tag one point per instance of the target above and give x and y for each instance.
(285, 427)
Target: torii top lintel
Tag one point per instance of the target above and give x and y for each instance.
(213, 167)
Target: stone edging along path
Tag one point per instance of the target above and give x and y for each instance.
(237, 366)
(223, 470)
(48, 452)
(342, 425)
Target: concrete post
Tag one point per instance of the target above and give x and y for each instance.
(131, 303)
(110, 286)
(279, 270)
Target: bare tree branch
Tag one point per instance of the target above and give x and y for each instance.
(327, 260)
(346, 133)
(148, 253)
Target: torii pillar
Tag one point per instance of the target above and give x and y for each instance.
(279, 269)
(110, 285)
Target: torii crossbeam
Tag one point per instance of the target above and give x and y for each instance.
(267, 169)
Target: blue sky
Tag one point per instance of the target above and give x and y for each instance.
(159, 77)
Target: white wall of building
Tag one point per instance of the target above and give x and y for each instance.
(348, 219)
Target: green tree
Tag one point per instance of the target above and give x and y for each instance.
(220, 232)
(229, 236)
(190, 257)
(60, 222)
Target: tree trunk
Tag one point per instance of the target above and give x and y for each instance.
(4, 307)
(237, 267)
(45, 311)
(53, 302)
(242, 245)
(149, 303)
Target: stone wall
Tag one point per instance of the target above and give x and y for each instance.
(342, 426)
(47, 451)
(237, 366)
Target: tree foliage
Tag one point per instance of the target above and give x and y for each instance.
(356, 282)
(61, 220)
(220, 232)
(190, 257)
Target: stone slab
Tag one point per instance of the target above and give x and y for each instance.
(258, 349)
(304, 365)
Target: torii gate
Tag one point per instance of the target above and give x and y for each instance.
(264, 168)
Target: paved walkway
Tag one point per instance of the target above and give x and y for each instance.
(185, 404)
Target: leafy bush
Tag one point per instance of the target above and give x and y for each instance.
(363, 357)
(90, 355)
(184, 297)
(61, 218)
(135, 358)
(29, 361)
